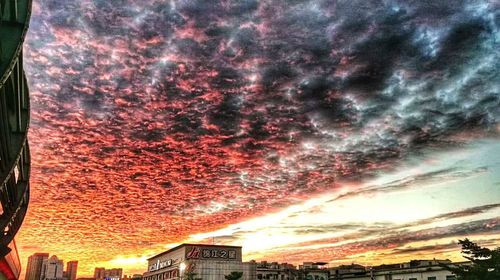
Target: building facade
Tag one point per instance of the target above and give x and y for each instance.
(14, 120)
(136, 277)
(413, 270)
(208, 262)
(132, 277)
(35, 264)
(113, 274)
(52, 269)
(313, 271)
(214, 262)
(71, 269)
(101, 273)
(276, 271)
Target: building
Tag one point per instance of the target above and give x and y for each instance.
(113, 274)
(313, 271)
(52, 269)
(343, 270)
(208, 262)
(413, 270)
(101, 273)
(14, 120)
(132, 277)
(276, 271)
(71, 268)
(136, 277)
(214, 262)
(35, 264)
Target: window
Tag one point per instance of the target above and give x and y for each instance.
(412, 279)
(431, 278)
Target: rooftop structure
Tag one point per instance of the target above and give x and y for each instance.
(413, 270)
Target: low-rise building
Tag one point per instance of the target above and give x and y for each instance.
(214, 262)
(313, 271)
(276, 271)
(208, 262)
(351, 269)
(137, 277)
(101, 273)
(132, 277)
(413, 270)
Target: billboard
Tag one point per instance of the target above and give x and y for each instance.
(160, 264)
(207, 252)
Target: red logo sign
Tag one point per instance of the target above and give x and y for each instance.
(194, 253)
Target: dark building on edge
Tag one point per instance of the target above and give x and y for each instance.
(14, 120)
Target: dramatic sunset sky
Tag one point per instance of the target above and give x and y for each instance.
(304, 130)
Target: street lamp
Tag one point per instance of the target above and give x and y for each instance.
(182, 267)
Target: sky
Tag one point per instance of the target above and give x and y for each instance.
(302, 130)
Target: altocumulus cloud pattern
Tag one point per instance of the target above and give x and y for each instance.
(153, 120)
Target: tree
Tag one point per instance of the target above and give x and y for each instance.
(191, 276)
(235, 275)
(485, 262)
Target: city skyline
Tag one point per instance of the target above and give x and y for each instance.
(360, 131)
(70, 273)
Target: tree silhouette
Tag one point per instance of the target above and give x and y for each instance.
(485, 262)
(235, 275)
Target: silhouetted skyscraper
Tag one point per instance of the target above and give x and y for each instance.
(71, 268)
(52, 269)
(34, 267)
